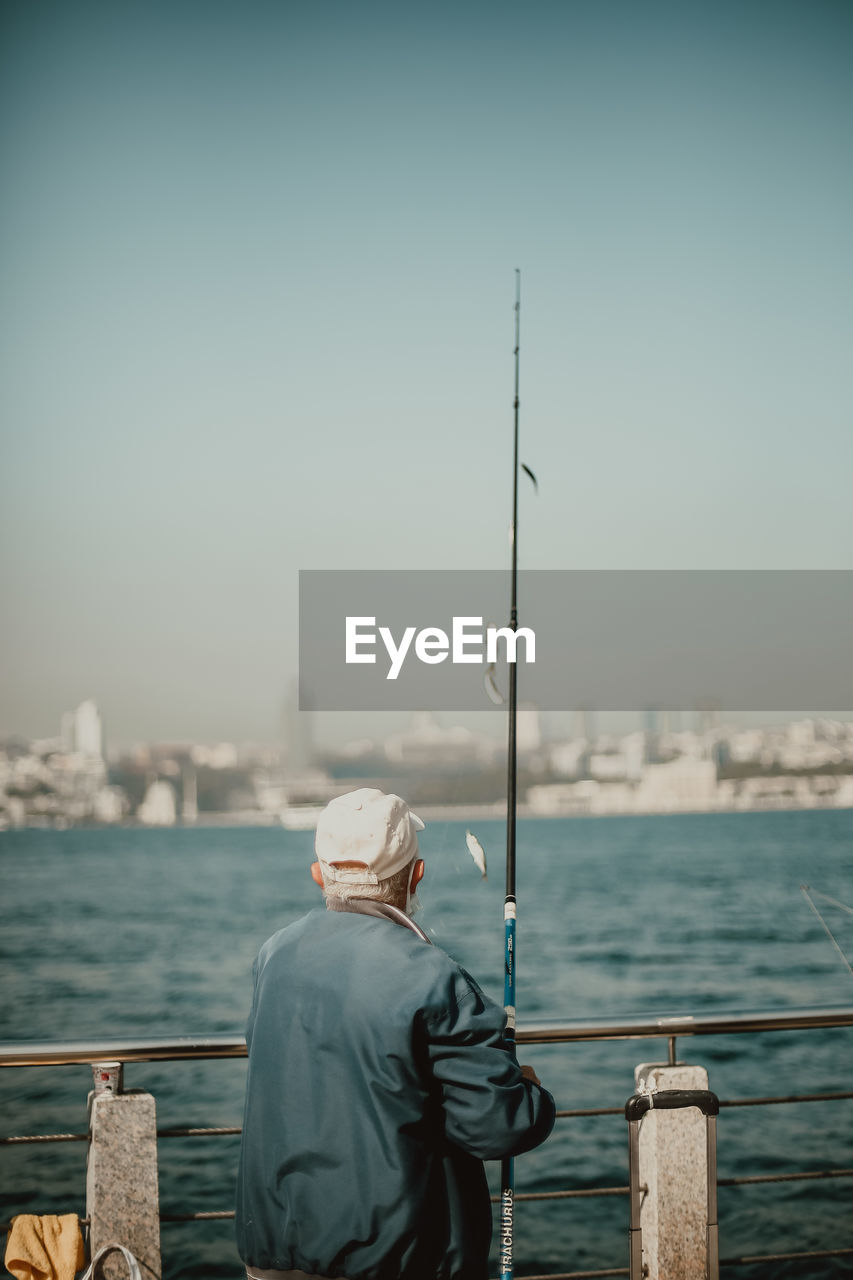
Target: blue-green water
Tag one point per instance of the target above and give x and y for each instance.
(151, 933)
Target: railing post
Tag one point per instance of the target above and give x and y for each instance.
(673, 1165)
(122, 1196)
(635, 1232)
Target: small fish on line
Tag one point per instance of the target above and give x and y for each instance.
(476, 851)
(491, 687)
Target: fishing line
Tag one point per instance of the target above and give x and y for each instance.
(842, 906)
(804, 890)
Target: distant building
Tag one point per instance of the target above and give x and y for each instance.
(426, 744)
(584, 724)
(223, 755)
(634, 752)
(569, 759)
(189, 807)
(298, 732)
(680, 785)
(82, 731)
(159, 808)
(611, 766)
(528, 730)
(109, 805)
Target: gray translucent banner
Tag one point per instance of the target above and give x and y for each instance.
(616, 640)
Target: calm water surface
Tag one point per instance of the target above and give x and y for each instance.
(152, 933)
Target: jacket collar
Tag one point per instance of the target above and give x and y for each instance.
(367, 907)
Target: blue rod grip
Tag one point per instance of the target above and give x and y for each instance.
(509, 968)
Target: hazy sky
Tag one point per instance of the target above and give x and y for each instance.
(256, 308)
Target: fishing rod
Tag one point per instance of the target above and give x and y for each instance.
(510, 910)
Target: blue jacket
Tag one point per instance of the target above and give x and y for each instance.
(378, 1083)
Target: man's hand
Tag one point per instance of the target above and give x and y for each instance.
(530, 1074)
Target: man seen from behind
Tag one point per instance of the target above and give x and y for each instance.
(379, 1078)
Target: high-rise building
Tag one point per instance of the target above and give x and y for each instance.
(528, 729)
(298, 732)
(583, 724)
(82, 731)
(189, 806)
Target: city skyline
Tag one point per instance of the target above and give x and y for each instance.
(257, 317)
(662, 767)
(304, 735)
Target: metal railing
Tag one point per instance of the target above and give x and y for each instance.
(668, 1027)
(35, 1053)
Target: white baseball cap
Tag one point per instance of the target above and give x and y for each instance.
(370, 827)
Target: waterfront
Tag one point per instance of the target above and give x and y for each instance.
(111, 932)
(445, 771)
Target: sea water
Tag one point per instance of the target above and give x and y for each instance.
(149, 933)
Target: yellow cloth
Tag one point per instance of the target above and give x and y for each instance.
(45, 1248)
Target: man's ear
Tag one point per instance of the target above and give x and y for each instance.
(317, 874)
(417, 874)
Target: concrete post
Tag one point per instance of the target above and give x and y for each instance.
(122, 1196)
(673, 1166)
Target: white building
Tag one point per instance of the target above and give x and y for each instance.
(610, 766)
(221, 756)
(426, 743)
(680, 785)
(82, 731)
(568, 759)
(109, 805)
(189, 809)
(528, 729)
(159, 808)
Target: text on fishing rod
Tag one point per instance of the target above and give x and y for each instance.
(433, 645)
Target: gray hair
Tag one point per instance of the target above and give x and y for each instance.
(390, 891)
